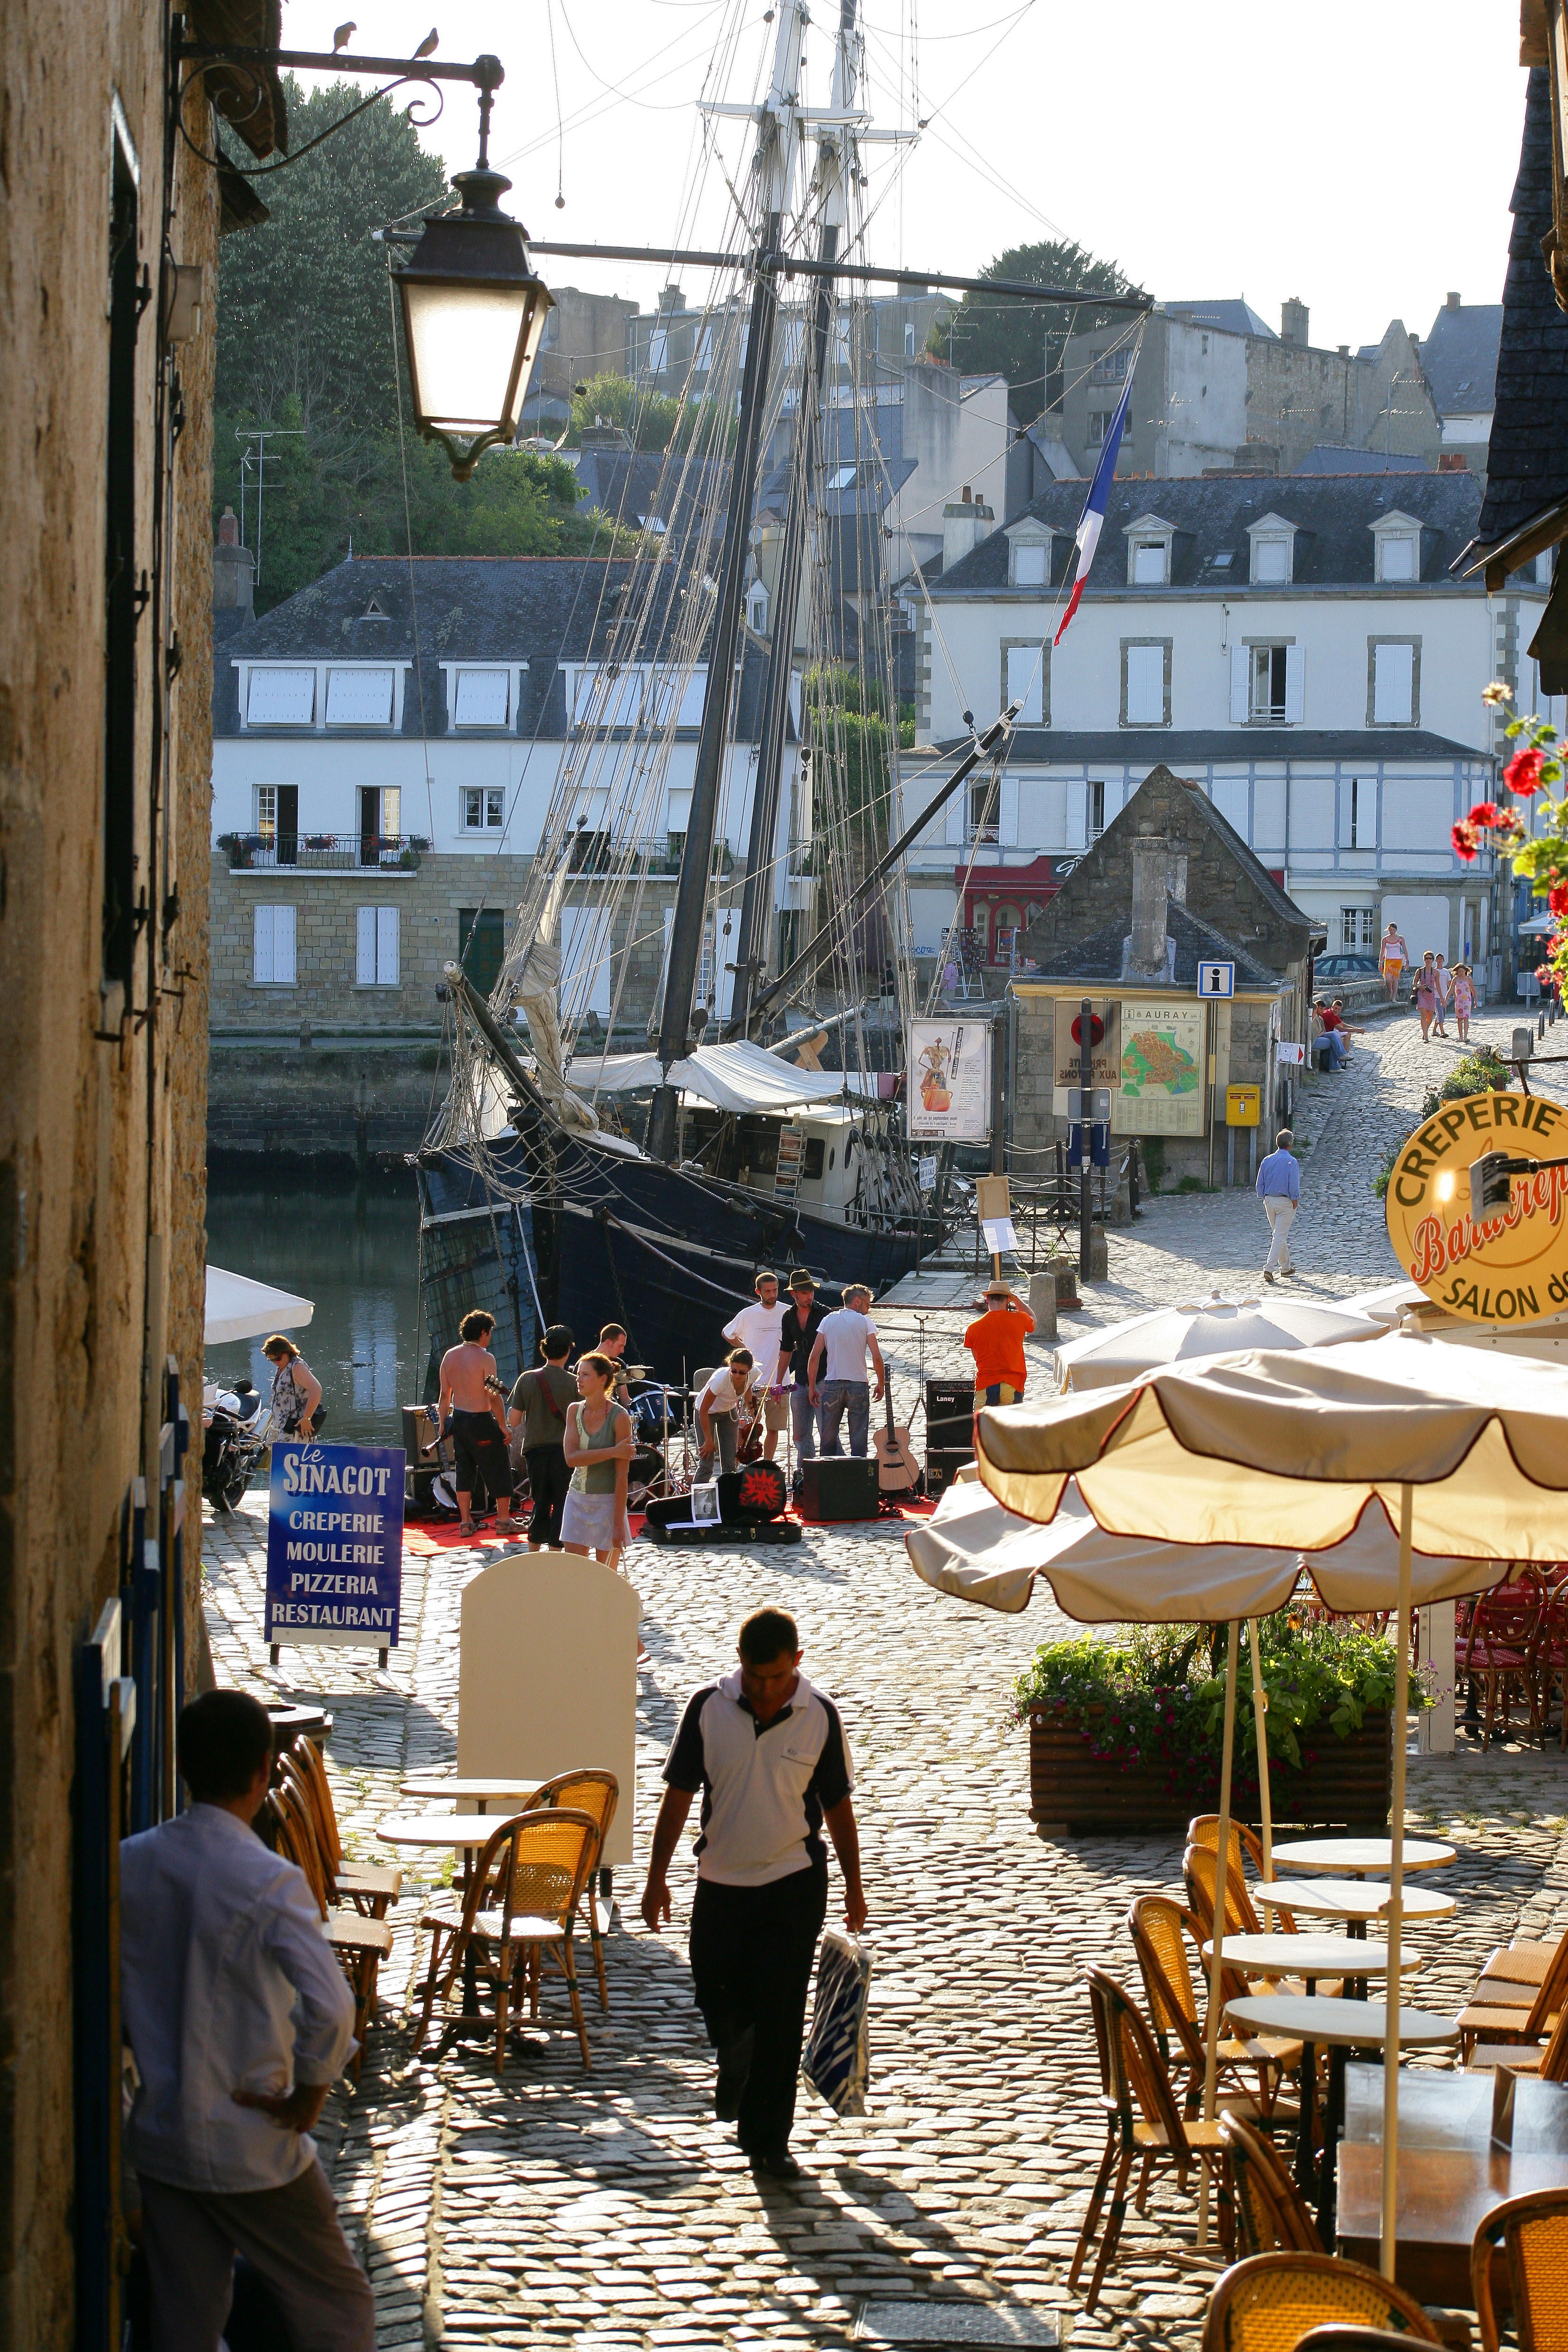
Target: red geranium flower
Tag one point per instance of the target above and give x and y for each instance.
(1523, 773)
(1484, 812)
(1557, 898)
(1464, 840)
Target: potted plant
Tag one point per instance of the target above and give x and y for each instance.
(1125, 1733)
(237, 850)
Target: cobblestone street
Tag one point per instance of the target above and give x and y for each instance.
(609, 2210)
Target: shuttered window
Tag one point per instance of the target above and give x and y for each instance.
(1393, 684)
(376, 963)
(359, 697)
(281, 697)
(272, 964)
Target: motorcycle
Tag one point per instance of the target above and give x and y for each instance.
(234, 1439)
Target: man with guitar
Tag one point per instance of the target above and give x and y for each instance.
(996, 1343)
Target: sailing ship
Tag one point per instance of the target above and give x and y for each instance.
(536, 1199)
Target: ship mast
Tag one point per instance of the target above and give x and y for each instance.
(778, 137)
(835, 153)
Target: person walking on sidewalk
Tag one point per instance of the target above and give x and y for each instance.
(837, 1370)
(1428, 996)
(1463, 1000)
(1444, 996)
(996, 1344)
(769, 1755)
(239, 2020)
(1279, 1190)
(538, 1406)
(1394, 955)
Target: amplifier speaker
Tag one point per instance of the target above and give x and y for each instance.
(837, 1488)
(950, 1414)
(943, 1463)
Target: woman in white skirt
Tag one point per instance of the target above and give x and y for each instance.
(599, 1445)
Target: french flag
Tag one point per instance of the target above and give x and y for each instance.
(1093, 516)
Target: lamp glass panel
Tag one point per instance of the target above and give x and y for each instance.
(463, 346)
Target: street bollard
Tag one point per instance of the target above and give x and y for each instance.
(1043, 1303)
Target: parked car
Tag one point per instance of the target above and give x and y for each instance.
(1344, 967)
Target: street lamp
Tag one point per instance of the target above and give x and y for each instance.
(473, 314)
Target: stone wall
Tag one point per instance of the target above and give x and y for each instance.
(364, 1104)
(102, 1113)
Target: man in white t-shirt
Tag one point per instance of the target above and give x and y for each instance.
(757, 1327)
(837, 1370)
(717, 1407)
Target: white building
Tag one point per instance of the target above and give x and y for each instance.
(1298, 646)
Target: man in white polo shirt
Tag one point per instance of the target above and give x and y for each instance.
(757, 1327)
(769, 1755)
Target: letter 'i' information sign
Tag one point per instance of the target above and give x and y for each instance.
(334, 1545)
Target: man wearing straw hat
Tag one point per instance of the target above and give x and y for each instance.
(996, 1343)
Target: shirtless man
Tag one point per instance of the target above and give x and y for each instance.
(477, 1416)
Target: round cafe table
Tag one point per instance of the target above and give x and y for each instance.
(1338, 2026)
(1310, 1957)
(1352, 1857)
(1354, 1900)
(480, 1791)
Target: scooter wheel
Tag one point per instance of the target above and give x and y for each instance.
(233, 1495)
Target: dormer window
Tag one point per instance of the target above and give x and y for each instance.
(1149, 551)
(1273, 558)
(1029, 555)
(1396, 538)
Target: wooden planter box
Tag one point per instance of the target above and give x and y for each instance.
(1345, 1788)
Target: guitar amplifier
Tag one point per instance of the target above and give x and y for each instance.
(838, 1488)
(943, 1463)
(950, 1414)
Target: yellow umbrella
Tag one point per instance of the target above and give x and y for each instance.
(1466, 1455)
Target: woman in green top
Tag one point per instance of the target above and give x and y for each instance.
(599, 1445)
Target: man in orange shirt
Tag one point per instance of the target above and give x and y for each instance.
(996, 1344)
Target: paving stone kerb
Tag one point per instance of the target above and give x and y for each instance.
(609, 2208)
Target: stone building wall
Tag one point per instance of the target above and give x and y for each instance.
(102, 1113)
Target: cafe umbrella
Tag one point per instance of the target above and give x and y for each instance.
(1202, 1326)
(1466, 1454)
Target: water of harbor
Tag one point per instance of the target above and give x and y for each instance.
(353, 1249)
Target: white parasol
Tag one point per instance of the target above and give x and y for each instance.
(1215, 1325)
(1463, 1451)
(239, 1309)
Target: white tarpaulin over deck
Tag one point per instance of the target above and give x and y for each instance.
(742, 1076)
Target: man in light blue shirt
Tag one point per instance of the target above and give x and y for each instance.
(1279, 1190)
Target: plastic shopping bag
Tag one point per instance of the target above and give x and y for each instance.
(837, 2060)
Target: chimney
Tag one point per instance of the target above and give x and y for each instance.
(1293, 316)
(1453, 461)
(964, 524)
(1159, 875)
(234, 570)
(1453, 302)
(1344, 350)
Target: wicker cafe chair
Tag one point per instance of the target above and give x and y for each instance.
(1533, 2235)
(1270, 2214)
(1200, 1869)
(368, 1887)
(1161, 1930)
(1501, 2010)
(1552, 1660)
(1132, 2077)
(1497, 1650)
(518, 1911)
(587, 1793)
(360, 1944)
(1203, 1830)
(1547, 2060)
(1269, 2302)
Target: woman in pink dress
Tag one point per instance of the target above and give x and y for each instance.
(1464, 999)
(1428, 997)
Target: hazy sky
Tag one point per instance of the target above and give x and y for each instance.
(1359, 154)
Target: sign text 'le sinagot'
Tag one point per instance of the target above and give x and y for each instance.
(334, 1544)
(1512, 1268)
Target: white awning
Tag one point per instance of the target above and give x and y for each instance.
(742, 1076)
(239, 1309)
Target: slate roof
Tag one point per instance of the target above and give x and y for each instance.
(1098, 956)
(544, 610)
(1231, 316)
(630, 484)
(1183, 749)
(1459, 357)
(1527, 467)
(1334, 515)
(1330, 458)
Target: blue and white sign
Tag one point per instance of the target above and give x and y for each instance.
(1215, 979)
(334, 1545)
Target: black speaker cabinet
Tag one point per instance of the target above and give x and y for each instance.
(950, 1414)
(943, 1463)
(838, 1488)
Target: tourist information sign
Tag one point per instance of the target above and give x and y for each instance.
(334, 1545)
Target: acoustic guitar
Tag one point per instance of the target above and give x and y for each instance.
(897, 1471)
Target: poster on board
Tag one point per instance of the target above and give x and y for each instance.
(334, 1545)
(949, 1088)
(1162, 1068)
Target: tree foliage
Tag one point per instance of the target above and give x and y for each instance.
(1025, 341)
(652, 421)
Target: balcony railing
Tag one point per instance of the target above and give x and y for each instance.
(321, 852)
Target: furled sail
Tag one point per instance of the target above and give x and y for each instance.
(534, 985)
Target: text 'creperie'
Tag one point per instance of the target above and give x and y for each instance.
(1480, 1115)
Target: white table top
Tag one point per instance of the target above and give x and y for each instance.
(430, 1784)
(1351, 1898)
(1309, 1956)
(1355, 1856)
(1347, 2025)
(438, 1829)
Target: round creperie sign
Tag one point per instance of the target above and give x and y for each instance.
(1513, 1265)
